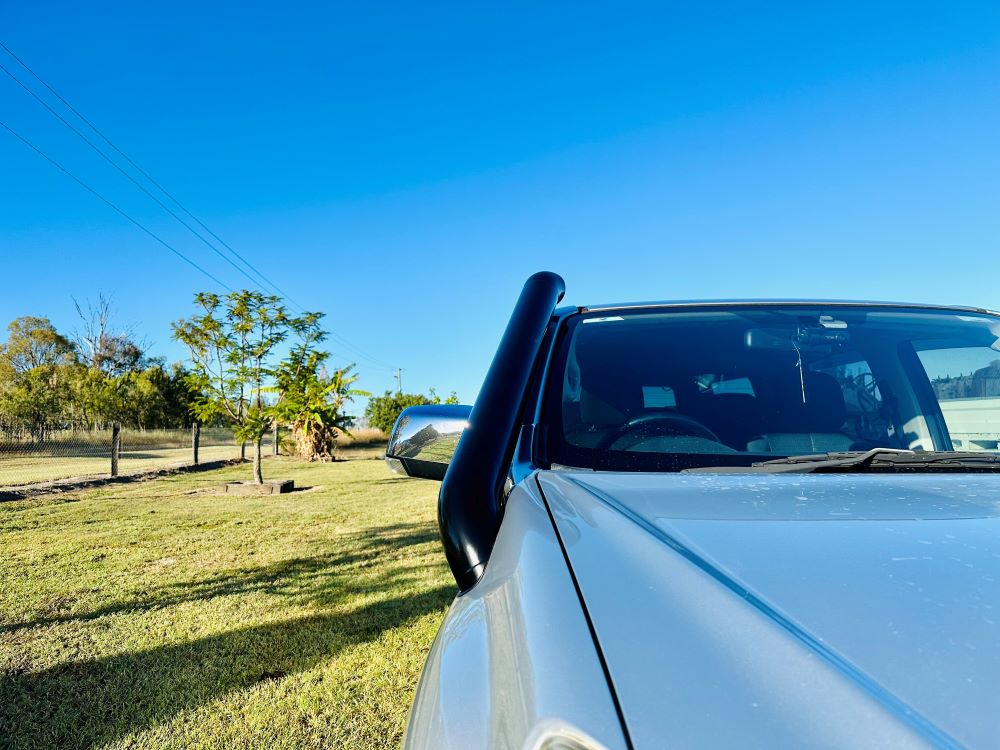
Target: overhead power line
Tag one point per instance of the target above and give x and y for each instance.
(141, 171)
(373, 361)
(104, 200)
(261, 277)
(127, 176)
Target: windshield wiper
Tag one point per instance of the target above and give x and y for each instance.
(874, 460)
(884, 459)
(835, 459)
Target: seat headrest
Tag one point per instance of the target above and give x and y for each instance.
(822, 411)
(595, 410)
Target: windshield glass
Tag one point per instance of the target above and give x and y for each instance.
(730, 385)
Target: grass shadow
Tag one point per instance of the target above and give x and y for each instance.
(320, 579)
(93, 702)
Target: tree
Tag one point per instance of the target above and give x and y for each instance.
(33, 376)
(383, 411)
(44, 386)
(102, 346)
(90, 404)
(35, 400)
(178, 398)
(310, 400)
(311, 403)
(232, 343)
(34, 342)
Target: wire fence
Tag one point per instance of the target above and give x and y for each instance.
(27, 458)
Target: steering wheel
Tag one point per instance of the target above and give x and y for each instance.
(656, 424)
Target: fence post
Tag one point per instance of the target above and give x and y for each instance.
(116, 447)
(274, 446)
(195, 439)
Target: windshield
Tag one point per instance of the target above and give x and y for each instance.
(688, 387)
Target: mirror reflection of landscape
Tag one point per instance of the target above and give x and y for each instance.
(424, 439)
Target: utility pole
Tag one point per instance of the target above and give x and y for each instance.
(399, 381)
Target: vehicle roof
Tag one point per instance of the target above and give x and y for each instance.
(611, 307)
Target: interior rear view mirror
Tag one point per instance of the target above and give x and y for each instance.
(822, 338)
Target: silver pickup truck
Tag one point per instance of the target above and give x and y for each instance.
(718, 524)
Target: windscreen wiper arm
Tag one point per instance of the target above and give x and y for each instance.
(851, 459)
(882, 459)
(876, 460)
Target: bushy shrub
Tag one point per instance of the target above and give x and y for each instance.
(382, 411)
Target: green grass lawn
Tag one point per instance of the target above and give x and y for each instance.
(165, 614)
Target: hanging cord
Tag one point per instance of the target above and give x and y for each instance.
(798, 364)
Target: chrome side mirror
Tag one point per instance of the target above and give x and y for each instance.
(424, 439)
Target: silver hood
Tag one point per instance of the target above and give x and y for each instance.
(792, 610)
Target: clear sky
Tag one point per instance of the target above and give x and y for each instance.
(404, 167)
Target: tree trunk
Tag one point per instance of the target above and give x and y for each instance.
(258, 474)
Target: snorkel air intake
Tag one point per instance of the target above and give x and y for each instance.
(469, 504)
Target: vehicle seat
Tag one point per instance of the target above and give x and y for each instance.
(810, 427)
(734, 417)
(590, 420)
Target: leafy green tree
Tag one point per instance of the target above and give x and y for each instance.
(309, 399)
(232, 342)
(45, 385)
(34, 342)
(383, 411)
(452, 398)
(150, 399)
(178, 398)
(90, 405)
(33, 376)
(35, 399)
(311, 403)
(98, 400)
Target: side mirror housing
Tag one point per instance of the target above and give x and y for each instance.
(424, 439)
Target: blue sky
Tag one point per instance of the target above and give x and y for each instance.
(404, 168)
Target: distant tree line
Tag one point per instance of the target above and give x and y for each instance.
(87, 380)
(382, 411)
(102, 374)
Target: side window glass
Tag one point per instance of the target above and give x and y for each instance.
(966, 382)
